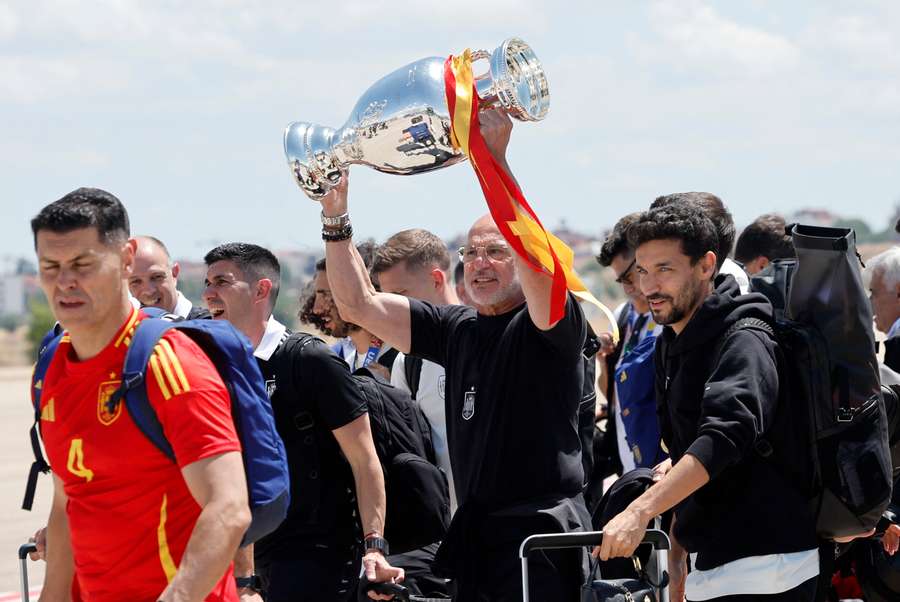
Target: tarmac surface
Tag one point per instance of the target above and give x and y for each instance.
(17, 525)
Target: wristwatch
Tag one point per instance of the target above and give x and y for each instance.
(377, 543)
(252, 582)
(336, 222)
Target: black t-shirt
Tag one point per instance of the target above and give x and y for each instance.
(512, 397)
(312, 394)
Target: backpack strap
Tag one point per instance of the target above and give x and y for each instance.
(762, 445)
(134, 385)
(295, 343)
(412, 369)
(387, 358)
(46, 351)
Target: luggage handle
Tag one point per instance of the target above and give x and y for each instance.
(24, 550)
(554, 541)
(551, 541)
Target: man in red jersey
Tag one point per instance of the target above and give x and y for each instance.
(126, 523)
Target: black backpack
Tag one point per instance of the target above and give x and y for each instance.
(829, 434)
(418, 496)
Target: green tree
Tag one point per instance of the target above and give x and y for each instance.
(40, 320)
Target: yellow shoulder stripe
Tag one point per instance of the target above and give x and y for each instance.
(176, 364)
(167, 369)
(160, 379)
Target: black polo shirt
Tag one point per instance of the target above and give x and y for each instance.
(512, 396)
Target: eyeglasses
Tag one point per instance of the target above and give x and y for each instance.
(624, 278)
(492, 252)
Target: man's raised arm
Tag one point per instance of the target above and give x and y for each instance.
(384, 315)
(496, 127)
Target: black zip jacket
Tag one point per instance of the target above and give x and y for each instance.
(715, 399)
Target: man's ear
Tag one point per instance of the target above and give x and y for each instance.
(438, 278)
(175, 270)
(127, 253)
(263, 289)
(708, 265)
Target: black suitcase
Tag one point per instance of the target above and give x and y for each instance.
(613, 590)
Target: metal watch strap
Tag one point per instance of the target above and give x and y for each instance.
(337, 222)
(377, 543)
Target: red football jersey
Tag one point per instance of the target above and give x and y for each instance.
(130, 512)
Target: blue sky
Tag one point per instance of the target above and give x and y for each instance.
(178, 108)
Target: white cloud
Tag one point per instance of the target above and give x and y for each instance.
(696, 32)
(9, 22)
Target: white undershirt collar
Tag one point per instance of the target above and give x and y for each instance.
(270, 340)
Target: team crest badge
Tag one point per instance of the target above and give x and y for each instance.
(468, 409)
(270, 388)
(105, 391)
(441, 384)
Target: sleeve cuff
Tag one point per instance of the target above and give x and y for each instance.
(715, 453)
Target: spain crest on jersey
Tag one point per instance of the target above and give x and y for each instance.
(107, 388)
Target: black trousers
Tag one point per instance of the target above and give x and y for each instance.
(313, 572)
(805, 592)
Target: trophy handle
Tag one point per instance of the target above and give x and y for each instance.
(484, 83)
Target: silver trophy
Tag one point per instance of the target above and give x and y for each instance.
(401, 125)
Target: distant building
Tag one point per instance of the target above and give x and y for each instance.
(814, 217)
(12, 295)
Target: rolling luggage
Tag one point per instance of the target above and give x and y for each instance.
(595, 589)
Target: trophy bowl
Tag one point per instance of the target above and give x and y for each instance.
(401, 124)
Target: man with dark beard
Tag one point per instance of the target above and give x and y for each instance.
(357, 346)
(514, 383)
(747, 529)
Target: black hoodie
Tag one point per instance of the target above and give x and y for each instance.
(714, 400)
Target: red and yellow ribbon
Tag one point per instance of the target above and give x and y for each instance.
(520, 226)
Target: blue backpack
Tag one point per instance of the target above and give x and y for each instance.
(265, 459)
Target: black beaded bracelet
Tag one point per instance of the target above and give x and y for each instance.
(332, 235)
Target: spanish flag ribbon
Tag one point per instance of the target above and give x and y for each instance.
(517, 221)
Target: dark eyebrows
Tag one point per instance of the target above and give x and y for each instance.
(77, 258)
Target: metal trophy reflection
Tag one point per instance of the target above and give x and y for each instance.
(401, 125)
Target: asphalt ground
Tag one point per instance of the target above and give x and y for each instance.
(17, 525)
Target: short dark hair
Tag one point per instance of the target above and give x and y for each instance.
(765, 237)
(253, 260)
(676, 221)
(416, 247)
(616, 242)
(715, 210)
(85, 208)
(459, 272)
